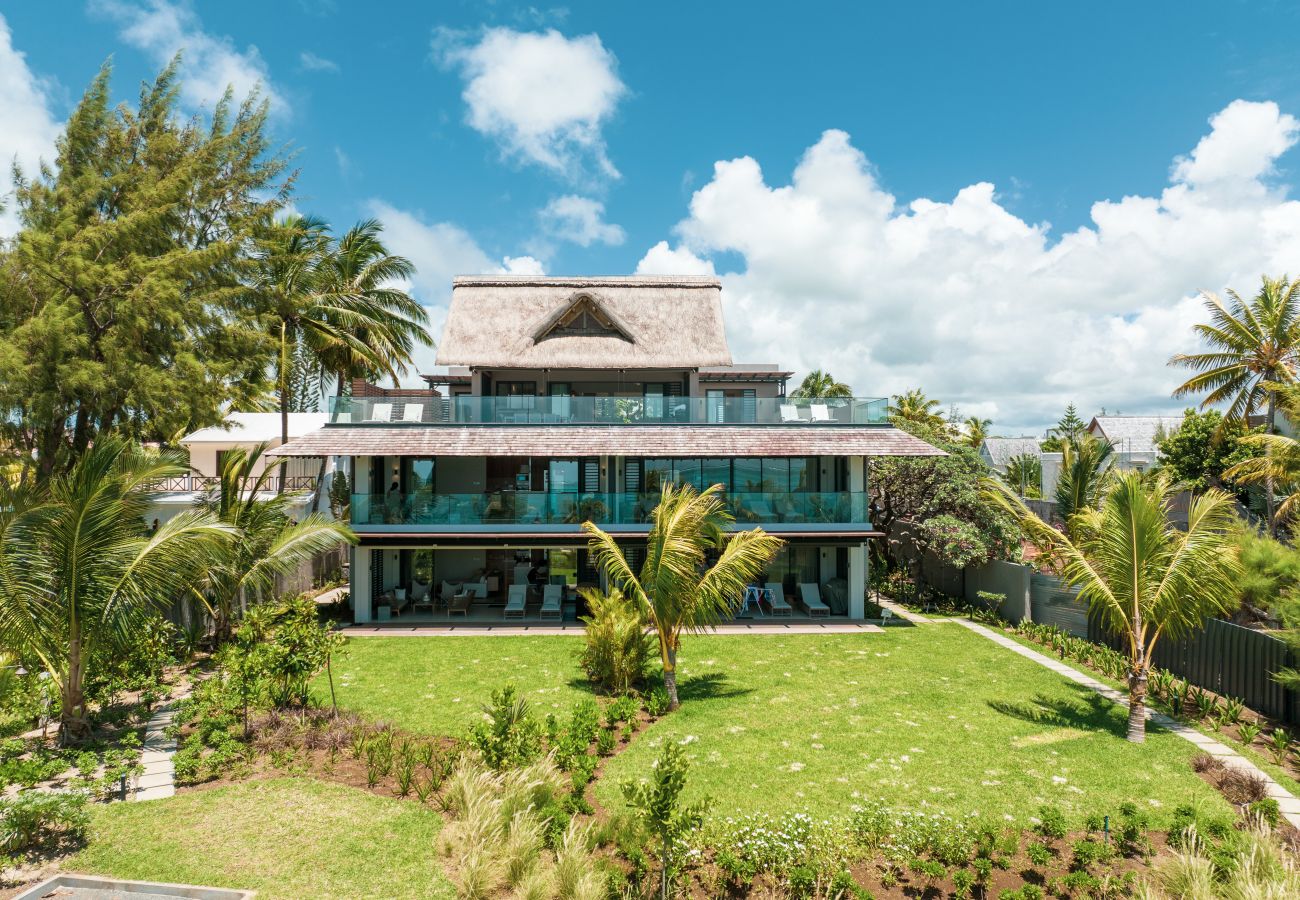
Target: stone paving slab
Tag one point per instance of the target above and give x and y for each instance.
(1288, 804)
(158, 780)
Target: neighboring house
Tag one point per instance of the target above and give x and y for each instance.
(1133, 438)
(208, 446)
(575, 399)
(998, 451)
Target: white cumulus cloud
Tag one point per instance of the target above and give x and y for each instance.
(579, 220)
(210, 63)
(543, 97)
(975, 305)
(28, 127)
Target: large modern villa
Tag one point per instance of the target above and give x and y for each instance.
(567, 400)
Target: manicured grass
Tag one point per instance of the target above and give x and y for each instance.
(927, 716)
(437, 685)
(286, 838)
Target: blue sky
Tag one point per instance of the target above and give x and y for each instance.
(425, 114)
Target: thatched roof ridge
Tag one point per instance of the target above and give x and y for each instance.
(503, 321)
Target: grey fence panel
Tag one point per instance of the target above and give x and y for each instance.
(1050, 604)
(1230, 660)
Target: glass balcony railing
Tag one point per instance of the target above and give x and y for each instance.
(638, 410)
(543, 508)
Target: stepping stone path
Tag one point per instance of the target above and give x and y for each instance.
(1287, 802)
(158, 779)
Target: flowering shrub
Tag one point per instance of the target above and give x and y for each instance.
(902, 835)
(763, 843)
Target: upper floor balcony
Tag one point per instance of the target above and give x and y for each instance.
(527, 508)
(633, 410)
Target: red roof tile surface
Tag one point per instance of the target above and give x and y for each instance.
(617, 440)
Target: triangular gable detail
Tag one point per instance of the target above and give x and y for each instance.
(584, 316)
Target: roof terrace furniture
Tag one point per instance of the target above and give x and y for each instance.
(812, 601)
(819, 413)
(381, 412)
(790, 414)
(413, 412)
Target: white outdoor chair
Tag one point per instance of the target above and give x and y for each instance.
(776, 599)
(790, 413)
(812, 601)
(413, 412)
(381, 412)
(820, 413)
(517, 600)
(551, 595)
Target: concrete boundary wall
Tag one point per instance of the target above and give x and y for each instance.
(1006, 578)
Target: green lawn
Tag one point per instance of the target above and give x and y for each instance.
(437, 685)
(286, 838)
(934, 715)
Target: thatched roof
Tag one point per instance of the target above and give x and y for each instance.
(637, 322)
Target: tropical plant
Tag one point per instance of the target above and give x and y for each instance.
(1140, 575)
(1202, 448)
(78, 570)
(674, 590)
(617, 645)
(657, 804)
(1277, 467)
(1252, 344)
(913, 406)
(315, 300)
(1084, 476)
(272, 544)
(289, 647)
(819, 385)
(1025, 474)
(975, 431)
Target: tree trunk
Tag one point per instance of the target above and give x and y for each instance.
(1268, 476)
(74, 724)
(670, 677)
(284, 394)
(1137, 706)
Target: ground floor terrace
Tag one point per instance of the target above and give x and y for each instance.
(541, 581)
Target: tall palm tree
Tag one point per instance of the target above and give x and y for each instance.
(819, 385)
(310, 298)
(1025, 474)
(674, 590)
(1085, 474)
(1143, 577)
(1279, 466)
(977, 430)
(360, 266)
(271, 543)
(1253, 343)
(914, 406)
(78, 569)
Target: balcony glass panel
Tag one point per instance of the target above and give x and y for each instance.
(552, 508)
(639, 410)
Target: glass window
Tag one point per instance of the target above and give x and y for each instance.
(654, 401)
(657, 473)
(715, 406)
(803, 473)
(687, 471)
(747, 475)
(716, 471)
(776, 474)
(562, 475)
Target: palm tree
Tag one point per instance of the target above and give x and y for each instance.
(1085, 475)
(324, 303)
(271, 543)
(1144, 578)
(977, 430)
(674, 590)
(1253, 343)
(914, 406)
(819, 385)
(78, 570)
(1279, 467)
(1025, 474)
(361, 267)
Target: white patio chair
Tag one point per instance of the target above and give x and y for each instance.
(413, 412)
(820, 413)
(812, 601)
(551, 596)
(776, 599)
(381, 412)
(790, 413)
(517, 600)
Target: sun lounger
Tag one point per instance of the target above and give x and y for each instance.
(790, 413)
(516, 602)
(820, 413)
(551, 595)
(812, 601)
(413, 412)
(776, 599)
(381, 412)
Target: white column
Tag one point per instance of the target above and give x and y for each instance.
(857, 581)
(361, 584)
